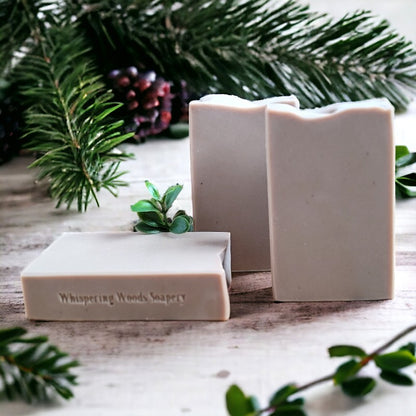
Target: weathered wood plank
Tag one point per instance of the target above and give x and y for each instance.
(180, 368)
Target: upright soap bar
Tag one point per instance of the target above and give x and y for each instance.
(130, 276)
(331, 201)
(229, 177)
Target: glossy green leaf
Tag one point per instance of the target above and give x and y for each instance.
(154, 219)
(179, 130)
(237, 402)
(408, 180)
(395, 360)
(300, 401)
(153, 190)
(411, 347)
(395, 377)
(289, 410)
(179, 213)
(144, 205)
(170, 195)
(406, 160)
(346, 350)
(403, 191)
(180, 225)
(145, 228)
(253, 402)
(281, 395)
(401, 151)
(358, 387)
(346, 371)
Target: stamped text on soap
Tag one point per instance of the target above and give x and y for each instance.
(121, 297)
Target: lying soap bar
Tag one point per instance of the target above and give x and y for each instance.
(331, 200)
(229, 177)
(130, 276)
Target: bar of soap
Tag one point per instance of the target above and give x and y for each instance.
(130, 276)
(229, 176)
(331, 201)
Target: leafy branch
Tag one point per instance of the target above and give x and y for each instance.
(405, 182)
(285, 401)
(34, 371)
(153, 213)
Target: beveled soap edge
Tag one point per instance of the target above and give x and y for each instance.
(222, 276)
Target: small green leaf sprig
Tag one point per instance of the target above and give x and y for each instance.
(35, 371)
(286, 402)
(153, 213)
(405, 181)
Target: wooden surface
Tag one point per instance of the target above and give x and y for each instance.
(181, 368)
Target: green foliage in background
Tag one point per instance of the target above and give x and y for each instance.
(54, 57)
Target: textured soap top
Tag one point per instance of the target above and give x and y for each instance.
(334, 110)
(226, 100)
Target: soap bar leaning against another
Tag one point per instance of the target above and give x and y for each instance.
(331, 200)
(130, 276)
(229, 176)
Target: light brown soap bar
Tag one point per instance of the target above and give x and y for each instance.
(229, 176)
(130, 276)
(331, 200)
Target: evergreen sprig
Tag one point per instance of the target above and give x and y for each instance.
(255, 48)
(32, 369)
(58, 52)
(153, 213)
(69, 126)
(286, 401)
(405, 181)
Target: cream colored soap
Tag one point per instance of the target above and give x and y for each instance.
(130, 276)
(331, 201)
(229, 177)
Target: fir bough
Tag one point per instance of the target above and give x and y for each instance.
(255, 48)
(32, 369)
(69, 127)
(57, 53)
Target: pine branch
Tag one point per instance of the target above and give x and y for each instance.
(14, 31)
(36, 371)
(67, 121)
(255, 48)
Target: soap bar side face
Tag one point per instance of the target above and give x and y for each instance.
(229, 178)
(197, 297)
(331, 199)
(130, 276)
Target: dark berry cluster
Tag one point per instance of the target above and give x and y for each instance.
(147, 100)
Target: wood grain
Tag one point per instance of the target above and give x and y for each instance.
(184, 368)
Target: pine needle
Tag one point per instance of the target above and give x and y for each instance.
(32, 369)
(67, 120)
(256, 48)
